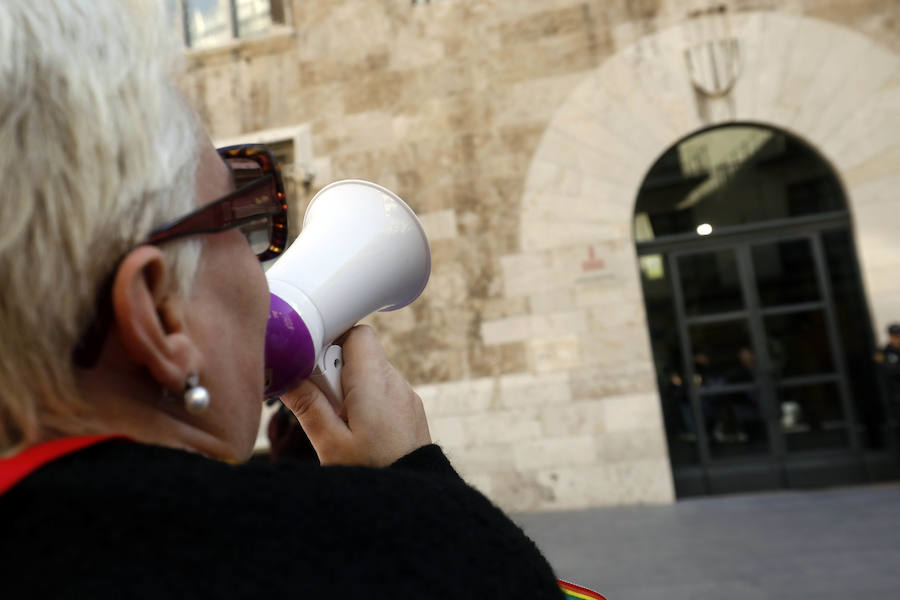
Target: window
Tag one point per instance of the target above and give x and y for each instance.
(209, 23)
(733, 175)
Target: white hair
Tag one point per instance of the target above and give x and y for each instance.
(98, 147)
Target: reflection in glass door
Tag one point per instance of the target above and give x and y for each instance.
(761, 369)
(802, 344)
(716, 336)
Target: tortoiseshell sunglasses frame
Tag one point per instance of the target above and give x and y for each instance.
(219, 215)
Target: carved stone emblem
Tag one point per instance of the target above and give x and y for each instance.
(714, 66)
(712, 53)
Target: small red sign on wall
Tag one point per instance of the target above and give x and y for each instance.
(592, 263)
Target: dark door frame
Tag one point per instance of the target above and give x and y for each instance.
(778, 460)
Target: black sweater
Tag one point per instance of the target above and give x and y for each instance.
(127, 520)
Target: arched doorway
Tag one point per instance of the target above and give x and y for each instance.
(577, 213)
(759, 326)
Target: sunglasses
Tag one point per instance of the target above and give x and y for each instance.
(258, 207)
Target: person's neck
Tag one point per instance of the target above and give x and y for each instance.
(131, 403)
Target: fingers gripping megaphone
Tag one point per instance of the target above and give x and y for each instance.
(361, 250)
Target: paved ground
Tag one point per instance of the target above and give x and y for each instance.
(820, 545)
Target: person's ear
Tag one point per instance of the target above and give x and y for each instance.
(150, 319)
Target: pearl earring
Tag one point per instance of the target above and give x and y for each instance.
(196, 397)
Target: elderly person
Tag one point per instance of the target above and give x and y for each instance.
(132, 324)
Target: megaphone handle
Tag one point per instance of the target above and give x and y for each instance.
(327, 377)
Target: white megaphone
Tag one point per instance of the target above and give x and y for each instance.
(361, 250)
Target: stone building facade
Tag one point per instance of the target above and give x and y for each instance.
(520, 132)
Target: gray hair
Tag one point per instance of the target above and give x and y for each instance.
(98, 147)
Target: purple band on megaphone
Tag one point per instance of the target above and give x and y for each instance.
(290, 353)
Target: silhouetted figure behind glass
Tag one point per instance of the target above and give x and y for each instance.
(889, 360)
(737, 415)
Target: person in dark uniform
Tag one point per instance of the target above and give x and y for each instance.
(890, 368)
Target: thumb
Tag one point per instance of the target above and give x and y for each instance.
(322, 425)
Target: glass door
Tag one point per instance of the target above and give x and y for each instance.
(802, 345)
(767, 393)
(730, 400)
(757, 317)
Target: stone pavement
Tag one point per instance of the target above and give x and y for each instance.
(817, 545)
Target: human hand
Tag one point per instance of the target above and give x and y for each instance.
(382, 419)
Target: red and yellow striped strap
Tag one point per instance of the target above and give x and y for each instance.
(576, 592)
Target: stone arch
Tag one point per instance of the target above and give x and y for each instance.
(826, 84)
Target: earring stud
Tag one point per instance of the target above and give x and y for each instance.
(196, 397)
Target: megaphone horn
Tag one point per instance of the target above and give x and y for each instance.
(361, 250)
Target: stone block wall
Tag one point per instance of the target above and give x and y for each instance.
(520, 132)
